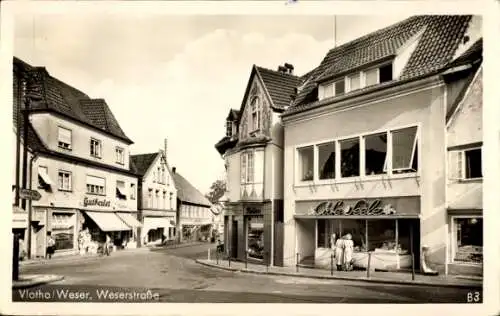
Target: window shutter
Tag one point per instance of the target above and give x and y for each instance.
(64, 135)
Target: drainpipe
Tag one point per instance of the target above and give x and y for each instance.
(30, 209)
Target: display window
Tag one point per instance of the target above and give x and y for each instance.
(63, 230)
(255, 237)
(467, 240)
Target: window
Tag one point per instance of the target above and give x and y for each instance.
(132, 191)
(468, 240)
(255, 237)
(95, 147)
(157, 198)
(375, 154)
(164, 199)
(154, 176)
(64, 138)
(385, 73)
(44, 181)
(326, 153)
(229, 128)
(306, 163)
(349, 157)
(150, 197)
(163, 175)
(328, 90)
(340, 87)
(120, 157)
(158, 174)
(371, 77)
(256, 119)
(354, 82)
(64, 180)
(470, 161)
(170, 200)
(96, 185)
(404, 150)
(247, 167)
(121, 194)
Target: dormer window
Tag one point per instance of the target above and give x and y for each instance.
(255, 108)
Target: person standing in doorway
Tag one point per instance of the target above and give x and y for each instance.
(51, 244)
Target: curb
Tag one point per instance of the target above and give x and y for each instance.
(30, 283)
(359, 279)
(177, 246)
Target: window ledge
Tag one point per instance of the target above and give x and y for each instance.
(96, 194)
(362, 179)
(65, 190)
(65, 148)
(472, 180)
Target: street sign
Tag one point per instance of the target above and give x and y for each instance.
(29, 194)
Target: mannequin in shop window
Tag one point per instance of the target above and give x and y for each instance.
(339, 253)
(348, 250)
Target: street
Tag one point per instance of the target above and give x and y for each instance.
(173, 276)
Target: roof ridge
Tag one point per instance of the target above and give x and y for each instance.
(277, 72)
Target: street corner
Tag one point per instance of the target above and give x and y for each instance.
(207, 263)
(26, 281)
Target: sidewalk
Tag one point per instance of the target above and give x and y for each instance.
(35, 279)
(375, 276)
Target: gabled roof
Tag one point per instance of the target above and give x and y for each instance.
(59, 97)
(234, 115)
(280, 86)
(139, 164)
(435, 50)
(186, 192)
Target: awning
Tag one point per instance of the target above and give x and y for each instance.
(155, 223)
(45, 177)
(129, 220)
(107, 221)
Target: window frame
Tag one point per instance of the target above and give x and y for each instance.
(255, 108)
(120, 161)
(87, 191)
(247, 171)
(229, 128)
(45, 185)
(99, 143)
(118, 194)
(463, 164)
(415, 147)
(362, 174)
(70, 145)
(70, 180)
(132, 191)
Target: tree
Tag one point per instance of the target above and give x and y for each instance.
(217, 190)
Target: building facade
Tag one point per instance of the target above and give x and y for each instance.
(81, 165)
(194, 211)
(253, 153)
(367, 148)
(157, 197)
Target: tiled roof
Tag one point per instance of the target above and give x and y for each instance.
(61, 98)
(186, 192)
(436, 47)
(280, 86)
(475, 52)
(139, 164)
(233, 115)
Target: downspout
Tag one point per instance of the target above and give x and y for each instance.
(30, 210)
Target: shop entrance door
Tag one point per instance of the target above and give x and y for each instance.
(39, 241)
(234, 240)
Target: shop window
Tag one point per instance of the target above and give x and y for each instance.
(64, 181)
(322, 234)
(306, 163)
(120, 156)
(120, 190)
(349, 157)
(255, 237)
(375, 154)
(96, 185)
(95, 148)
(326, 162)
(470, 163)
(64, 138)
(63, 230)
(468, 241)
(405, 150)
(382, 235)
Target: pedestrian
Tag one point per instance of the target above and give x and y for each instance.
(51, 244)
(348, 250)
(107, 244)
(339, 253)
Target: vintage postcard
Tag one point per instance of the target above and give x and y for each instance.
(170, 153)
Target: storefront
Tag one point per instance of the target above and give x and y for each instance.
(157, 229)
(101, 224)
(385, 230)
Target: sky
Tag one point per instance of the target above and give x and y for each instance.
(177, 76)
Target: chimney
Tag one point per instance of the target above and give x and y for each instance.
(289, 67)
(282, 69)
(173, 170)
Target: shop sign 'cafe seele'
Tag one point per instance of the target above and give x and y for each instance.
(361, 207)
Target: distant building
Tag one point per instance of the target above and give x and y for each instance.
(157, 197)
(81, 165)
(194, 215)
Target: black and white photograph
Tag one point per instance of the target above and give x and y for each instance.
(160, 157)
